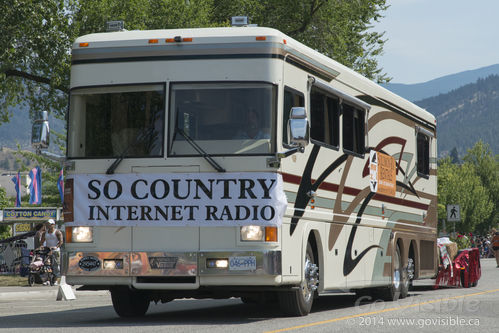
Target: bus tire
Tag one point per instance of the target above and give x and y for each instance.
(298, 302)
(129, 303)
(395, 290)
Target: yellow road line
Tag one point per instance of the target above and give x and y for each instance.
(379, 311)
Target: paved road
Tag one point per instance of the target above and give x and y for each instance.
(458, 310)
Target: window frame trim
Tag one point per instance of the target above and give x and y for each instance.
(338, 93)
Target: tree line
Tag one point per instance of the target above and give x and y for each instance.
(473, 183)
(37, 35)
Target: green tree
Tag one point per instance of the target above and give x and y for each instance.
(487, 168)
(4, 229)
(36, 36)
(338, 29)
(34, 54)
(460, 184)
(454, 155)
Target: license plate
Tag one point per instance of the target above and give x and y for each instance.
(247, 263)
(163, 262)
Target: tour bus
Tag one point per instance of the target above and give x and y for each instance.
(238, 162)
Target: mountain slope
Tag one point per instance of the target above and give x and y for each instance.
(466, 115)
(440, 85)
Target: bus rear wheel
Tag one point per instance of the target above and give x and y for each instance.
(298, 302)
(398, 287)
(129, 303)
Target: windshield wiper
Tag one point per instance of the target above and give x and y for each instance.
(200, 150)
(141, 136)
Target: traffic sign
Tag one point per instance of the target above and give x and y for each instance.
(453, 213)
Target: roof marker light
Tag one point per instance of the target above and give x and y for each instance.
(261, 38)
(239, 21)
(115, 26)
(153, 41)
(284, 41)
(178, 39)
(83, 44)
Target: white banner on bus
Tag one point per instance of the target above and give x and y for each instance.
(187, 199)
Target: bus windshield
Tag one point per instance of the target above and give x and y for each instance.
(222, 118)
(115, 121)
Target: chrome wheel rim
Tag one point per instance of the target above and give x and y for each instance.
(309, 285)
(396, 271)
(410, 271)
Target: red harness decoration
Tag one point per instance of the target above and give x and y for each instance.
(464, 271)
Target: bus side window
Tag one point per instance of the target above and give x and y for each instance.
(353, 129)
(291, 98)
(423, 154)
(324, 118)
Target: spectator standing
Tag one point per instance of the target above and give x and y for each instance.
(495, 245)
(54, 240)
(486, 247)
(40, 230)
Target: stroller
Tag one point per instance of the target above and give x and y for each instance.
(40, 269)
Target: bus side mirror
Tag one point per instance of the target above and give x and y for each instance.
(40, 133)
(298, 128)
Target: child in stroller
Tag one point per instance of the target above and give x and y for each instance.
(40, 269)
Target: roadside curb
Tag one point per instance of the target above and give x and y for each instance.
(49, 293)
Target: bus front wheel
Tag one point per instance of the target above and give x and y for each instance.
(129, 303)
(298, 302)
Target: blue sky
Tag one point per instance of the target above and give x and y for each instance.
(428, 39)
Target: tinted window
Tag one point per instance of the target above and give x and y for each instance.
(110, 121)
(353, 129)
(423, 154)
(324, 118)
(222, 118)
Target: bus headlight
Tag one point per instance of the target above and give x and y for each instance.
(255, 233)
(251, 233)
(79, 235)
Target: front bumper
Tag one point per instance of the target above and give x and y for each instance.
(171, 264)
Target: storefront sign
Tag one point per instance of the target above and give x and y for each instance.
(20, 228)
(197, 199)
(29, 214)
